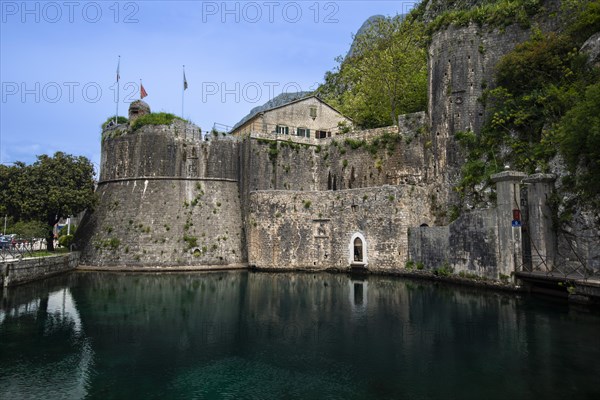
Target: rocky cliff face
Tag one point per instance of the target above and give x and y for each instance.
(371, 21)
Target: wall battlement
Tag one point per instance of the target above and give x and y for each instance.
(175, 151)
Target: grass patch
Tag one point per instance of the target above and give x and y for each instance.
(45, 253)
(273, 151)
(160, 118)
(354, 143)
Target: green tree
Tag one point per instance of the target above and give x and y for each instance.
(579, 133)
(384, 76)
(49, 189)
(8, 177)
(29, 229)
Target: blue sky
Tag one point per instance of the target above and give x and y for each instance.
(58, 62)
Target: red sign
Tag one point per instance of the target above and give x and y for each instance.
(516, 215)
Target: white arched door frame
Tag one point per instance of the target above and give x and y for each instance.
(365, 259)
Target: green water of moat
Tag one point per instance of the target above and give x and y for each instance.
(241, 335)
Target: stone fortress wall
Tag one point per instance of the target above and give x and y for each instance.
(167, 198)
(348, 161)
(317, 229)
(461, 66)
(283, 202)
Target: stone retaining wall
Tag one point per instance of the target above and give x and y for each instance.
(17, 272)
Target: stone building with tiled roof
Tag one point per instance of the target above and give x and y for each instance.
(296, 114)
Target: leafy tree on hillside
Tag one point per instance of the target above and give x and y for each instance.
(47, 190)
(386, 74)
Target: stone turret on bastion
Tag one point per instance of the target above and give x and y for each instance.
(138, 109)
(167, 197)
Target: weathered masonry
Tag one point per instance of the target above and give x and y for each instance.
(169, 198)
(289, 191)
(166, 198)
(364, 227)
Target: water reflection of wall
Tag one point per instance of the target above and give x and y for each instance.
(172, 312)
(376, 334)
(147, 327)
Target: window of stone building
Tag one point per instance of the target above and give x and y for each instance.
(313, 112)
(322, 134)
(304, 132)
(282, 130)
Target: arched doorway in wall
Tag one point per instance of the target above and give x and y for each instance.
(358, 250)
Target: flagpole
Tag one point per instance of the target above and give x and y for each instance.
(118, 77)
(183, 92)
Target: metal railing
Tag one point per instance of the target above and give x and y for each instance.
(20, 248)
(534, 261)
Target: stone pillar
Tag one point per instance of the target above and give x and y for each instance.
(508, 192)
(541, 231)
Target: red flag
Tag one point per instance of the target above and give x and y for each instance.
(143, 92)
